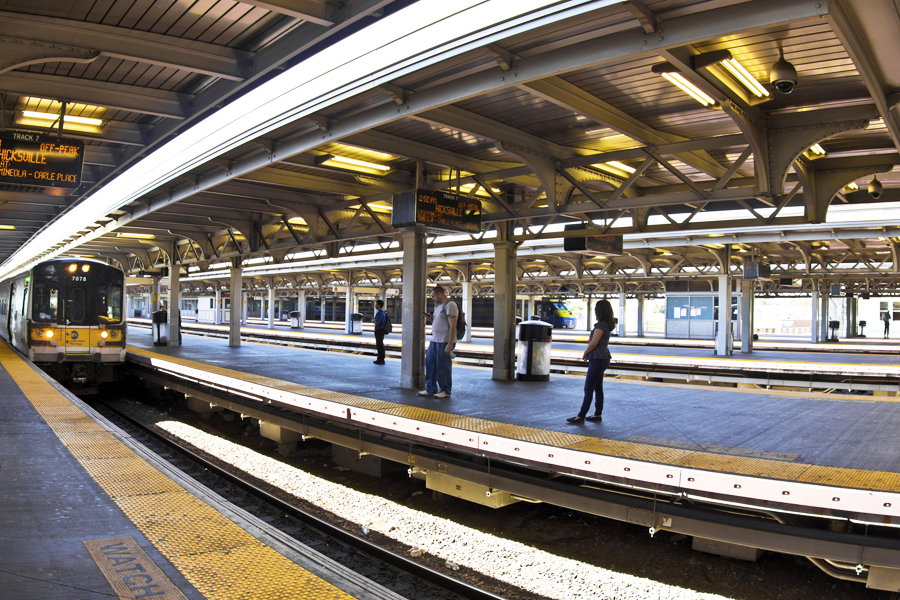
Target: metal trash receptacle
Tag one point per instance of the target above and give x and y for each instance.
(295, 319)
(533, 351)
(356, 323)
(160, 328)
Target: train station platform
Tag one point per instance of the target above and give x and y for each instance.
(87, 511)
(825, 452)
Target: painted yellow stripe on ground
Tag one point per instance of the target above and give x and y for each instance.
(757, 467)
(219, 558)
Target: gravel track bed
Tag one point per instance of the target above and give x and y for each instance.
(490, 560)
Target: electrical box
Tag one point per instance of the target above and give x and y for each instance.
(756, 270)
(466, 490)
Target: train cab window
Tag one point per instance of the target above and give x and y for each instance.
(46, 302)
(76, 306)
(110, 303)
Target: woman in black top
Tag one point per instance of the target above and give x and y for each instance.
(597, 353)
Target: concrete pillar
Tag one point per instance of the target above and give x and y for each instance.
(174, 303)
(722, 348)
(148, 306)
(271, 304)
(301, 306)
(823, 313)
(154, 293)
(245, 298)
(622, 314)
(640, 315)
(322, 305)
(589, 311)
(747, 288)
(412, 350)
(467, 309)
(234, 331)
(348, 309)
(814, 319)
(505, 279)
(218, 304)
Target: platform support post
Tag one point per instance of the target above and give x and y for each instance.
(412, 351)
(589, 312)
(851, 316)
(467, 309)
(271, 305)
(154, 294)
(217, 319)
(301, 306)
(505, 280)
(747, 288)
(348, 305)
(237, 297)
(622, 313)
(823, 314)
(174, 301)
(723, 348)
(814, 320)
(147, 308)
(322, 305)
(640, 315)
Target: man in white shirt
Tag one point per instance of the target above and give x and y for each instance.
(438, 361)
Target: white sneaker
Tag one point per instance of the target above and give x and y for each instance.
(425, 393)
(442, 395)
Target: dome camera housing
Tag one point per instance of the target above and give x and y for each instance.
(875, 188)
(783, 75)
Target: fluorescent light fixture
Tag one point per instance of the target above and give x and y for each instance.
(54, 117)
(622, 166)
(297, 221)
(817, 149)
(689, 88)
(136, 236)
(744, 76)
(467, 188)
(593, 131)
(419, 35)
(852, 186)
(7, 226)
(346, 160)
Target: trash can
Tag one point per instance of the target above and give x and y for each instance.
(356, 323)
(295, 319)
(533, 351)
(160, 328)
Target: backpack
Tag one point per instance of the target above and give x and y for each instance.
(460, 323)
(388, 327)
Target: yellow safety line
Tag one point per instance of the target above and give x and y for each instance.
(758, 467)
(219, 558)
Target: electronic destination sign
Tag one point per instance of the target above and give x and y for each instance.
(437, 211)
(34, 159)
(593, 245)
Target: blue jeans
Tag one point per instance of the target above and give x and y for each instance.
(593, 386)
(438, 365)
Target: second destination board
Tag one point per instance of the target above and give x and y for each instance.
(439, 211)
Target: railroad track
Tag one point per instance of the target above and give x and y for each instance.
(404, 576)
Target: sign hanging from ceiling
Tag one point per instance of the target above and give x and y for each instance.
(436, 211)
(593, 245)
(34, 159)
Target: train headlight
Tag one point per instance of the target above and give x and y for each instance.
(85, 268)
(73, 268)
(104, 334)
(49, 333)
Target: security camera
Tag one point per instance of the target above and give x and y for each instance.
(875, 188)
(783, 75)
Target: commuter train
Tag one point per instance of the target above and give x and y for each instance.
(66, 316)
(555, 312)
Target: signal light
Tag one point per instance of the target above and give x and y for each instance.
(73, 268)
(85, 268)
(49, 333)
(104, 334)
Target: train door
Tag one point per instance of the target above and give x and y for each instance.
(77, 334)
(10, 309)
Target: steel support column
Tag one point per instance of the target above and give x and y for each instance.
(301, 306)
(236, 292)
(640, 315)
(723, 348)
(814, 319)
(467, 309)
(823, 314)
(622, 314)
(271, 305)
(412, 353)
(747, 301)
(174, 299)
(217, 318)
(154, 294)
(505, 308)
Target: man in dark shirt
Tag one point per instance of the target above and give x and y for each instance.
(380, 318)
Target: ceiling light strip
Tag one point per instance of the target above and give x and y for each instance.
(689, 88)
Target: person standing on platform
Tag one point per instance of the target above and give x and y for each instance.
(380, 319)
(438, 359)
(887, 324)
(598, 357)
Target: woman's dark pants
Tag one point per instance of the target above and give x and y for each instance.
(593, 386)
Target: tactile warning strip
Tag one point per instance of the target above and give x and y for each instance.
(219, 558)
(755, 467)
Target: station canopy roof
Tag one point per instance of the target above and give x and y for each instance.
(275, 135)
